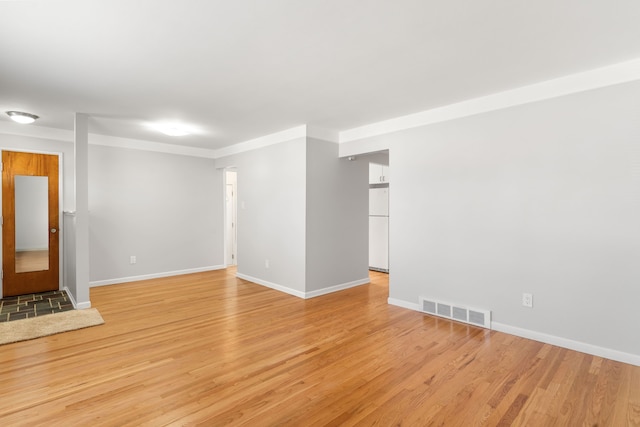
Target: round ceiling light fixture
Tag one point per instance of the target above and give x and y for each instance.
(22, 117)
(173, 129)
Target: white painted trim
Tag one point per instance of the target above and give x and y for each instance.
(153, 276)
(105, 140)
(77, 305)
(403, 304)
(263, 141)
(160, 147)
(582, 347)
(271, 285)
(73, 300)
(35, 131)
(336, 288)
(574, 83)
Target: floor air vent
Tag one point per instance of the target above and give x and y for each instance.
(456, 312)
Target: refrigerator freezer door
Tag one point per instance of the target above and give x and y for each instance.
(379, 242)
(379, 201)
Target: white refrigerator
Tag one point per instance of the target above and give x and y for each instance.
(379, 229)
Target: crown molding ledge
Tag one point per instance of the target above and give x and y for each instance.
(263, 141)
(302, 131)
(160, 147)
(36, 132)
(597, 78)
(104, 140)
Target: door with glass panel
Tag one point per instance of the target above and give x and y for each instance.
(30, 237)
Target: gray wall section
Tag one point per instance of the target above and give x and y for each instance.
(271, 212)
(337, 217)
(542, 198)
(164, 209)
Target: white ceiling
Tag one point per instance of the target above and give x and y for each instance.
(239, 69)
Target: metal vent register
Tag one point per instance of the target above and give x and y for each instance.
(456, 312)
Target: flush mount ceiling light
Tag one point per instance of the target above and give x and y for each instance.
(21, 117)
(173, 129)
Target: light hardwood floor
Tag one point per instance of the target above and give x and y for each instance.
(210, 349)
(32, 261)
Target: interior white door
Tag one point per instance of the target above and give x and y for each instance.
(231, 225)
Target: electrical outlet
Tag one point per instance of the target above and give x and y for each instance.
(132, 259)
(266, 263)
(527, 300)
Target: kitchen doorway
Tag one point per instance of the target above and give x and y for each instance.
(379, 178)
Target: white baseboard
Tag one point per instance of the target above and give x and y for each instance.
(336, 288)
(153, 276)
(271, 285)
(77, 305)
(607, 353)
(300, 294)
(73, 300)
(403, 304)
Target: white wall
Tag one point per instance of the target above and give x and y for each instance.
(337, 217)
(165, 209)
(271, 214)
(541, 198)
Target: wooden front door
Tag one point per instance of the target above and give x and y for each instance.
(30, 231)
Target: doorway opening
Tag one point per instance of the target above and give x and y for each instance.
(231, 217)
(379, 178)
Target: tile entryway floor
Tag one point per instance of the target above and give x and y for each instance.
(32, 305)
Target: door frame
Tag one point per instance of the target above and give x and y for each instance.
(60, 212)
(228, 262)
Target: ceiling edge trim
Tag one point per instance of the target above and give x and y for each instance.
(323, 134)
(8, 128)
(104, 140)
(138, 144)
(263, 141)
(579, 82)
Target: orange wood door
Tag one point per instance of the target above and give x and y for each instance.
(30, 232)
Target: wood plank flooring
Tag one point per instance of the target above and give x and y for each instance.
(32, 261)
(210, 349)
